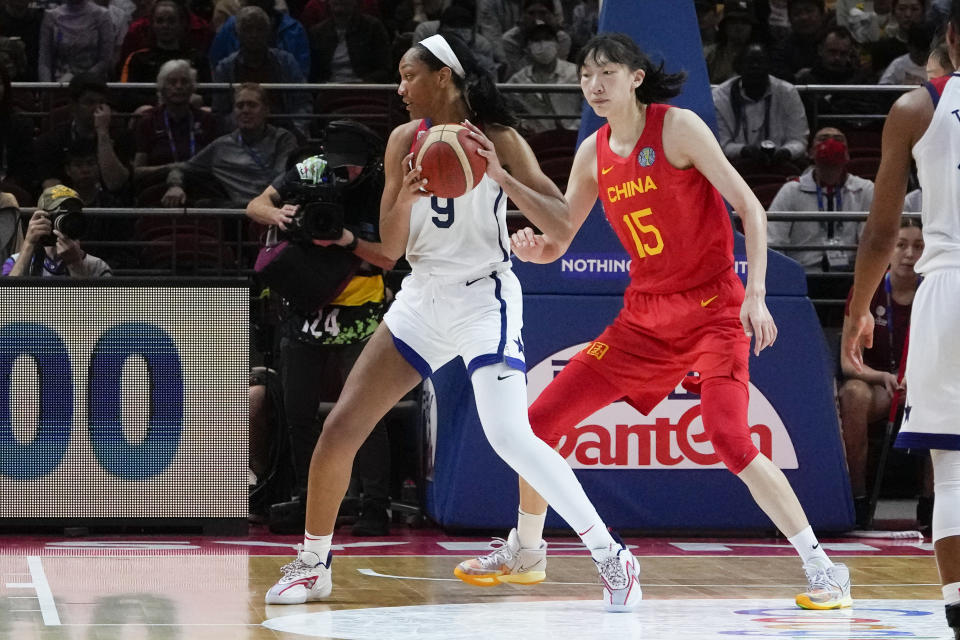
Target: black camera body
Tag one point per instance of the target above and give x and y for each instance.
(320, 212)
(67, 219)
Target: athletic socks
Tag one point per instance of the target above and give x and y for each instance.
(809, 548)
(320, 545)
(530, 528)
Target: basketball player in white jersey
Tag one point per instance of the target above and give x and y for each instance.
(462, 299)
(924, 124)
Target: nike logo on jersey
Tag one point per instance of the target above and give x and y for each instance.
(470, 282)
(704, 303)
(506, 376)
(606, 171)
(815, 546)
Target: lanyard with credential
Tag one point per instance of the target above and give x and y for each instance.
(251, 152)
(888, 289)
(173, 145)
(835, 204)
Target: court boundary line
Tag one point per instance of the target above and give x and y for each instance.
(48, 608)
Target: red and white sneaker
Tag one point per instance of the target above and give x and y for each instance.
(620, 575)
(304, 580)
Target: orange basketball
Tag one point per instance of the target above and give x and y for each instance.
(449, 160)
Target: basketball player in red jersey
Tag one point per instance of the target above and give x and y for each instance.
(660, 175)
(924, 125)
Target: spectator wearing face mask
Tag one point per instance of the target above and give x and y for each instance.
(760, 119)
(514, 40)
(827, 187)
(547, 68)
(459, 19)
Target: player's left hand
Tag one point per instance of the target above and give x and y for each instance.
(494, 169)
(757, 322)
(857, 336)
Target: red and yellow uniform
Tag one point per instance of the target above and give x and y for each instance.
(682, 307)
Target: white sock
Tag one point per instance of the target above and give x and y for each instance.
(320, 545)
(530, 528)
(809, 548)
(951, 593)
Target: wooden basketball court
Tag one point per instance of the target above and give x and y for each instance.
(182, 587)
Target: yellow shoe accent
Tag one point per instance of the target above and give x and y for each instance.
(804, 602)
(526, 578)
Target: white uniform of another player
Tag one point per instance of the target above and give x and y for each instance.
(932, 413)
(461, 298)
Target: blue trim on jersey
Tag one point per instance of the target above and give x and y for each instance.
(503, 312)
(912, 440)
(516, 363)
(934, 94)
(485, 360)
(411, 356)
(496, 204)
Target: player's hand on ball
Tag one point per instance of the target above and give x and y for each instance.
(414, 186)
(494, 169)
(758, 322)
(527, 245)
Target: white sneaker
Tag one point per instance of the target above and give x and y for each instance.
(304, 580)
(619, 573)
(828, 588)
(506, 563)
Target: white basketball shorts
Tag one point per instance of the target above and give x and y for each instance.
(432, 322)
(931, 418)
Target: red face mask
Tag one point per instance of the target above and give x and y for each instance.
(831, 152)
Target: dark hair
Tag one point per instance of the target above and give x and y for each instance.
(84, 82)
(819, 4)
(457, 17)
(955, 14)
(479, 89)
(256, 88)
(619, 48)
(840, 32)
(896, 2)
(911, 222)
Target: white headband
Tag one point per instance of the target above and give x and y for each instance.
(439, 47)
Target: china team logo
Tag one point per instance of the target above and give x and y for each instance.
(646, 157)
(671, 437)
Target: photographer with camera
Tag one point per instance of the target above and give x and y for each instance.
(323, 257)
(50, 246)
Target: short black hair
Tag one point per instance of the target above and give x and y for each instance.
(819, 4)
(86, 82)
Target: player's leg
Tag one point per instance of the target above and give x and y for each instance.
(501, 395)
(724, 405)
(574, 394)
(946, 530)
(380, 378)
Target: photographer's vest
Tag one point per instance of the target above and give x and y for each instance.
(458, 238)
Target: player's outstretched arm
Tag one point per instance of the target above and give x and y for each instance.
(402, 187)
(908, 120)
(688, 142)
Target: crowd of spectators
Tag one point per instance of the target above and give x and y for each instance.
(178, 147)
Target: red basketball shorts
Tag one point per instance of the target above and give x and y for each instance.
(659, 338)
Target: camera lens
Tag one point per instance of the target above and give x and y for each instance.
(70, 224)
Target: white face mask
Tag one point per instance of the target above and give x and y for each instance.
(543, 52)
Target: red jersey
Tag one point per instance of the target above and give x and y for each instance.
(672, 222)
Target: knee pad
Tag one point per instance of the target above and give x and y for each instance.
(946, 506)
(723, 403)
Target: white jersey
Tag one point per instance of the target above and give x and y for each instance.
(937, 154)
(459, 238)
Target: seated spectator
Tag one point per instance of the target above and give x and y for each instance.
(316, 11)
(46, 252)
(547, 68)
(459, 19)
(406, 15)
(736, 32)
(907, 13)
(173, 132)
(169, 40)
(514, 41)
(18, 19)
(83, 176)
(826, 186)
(76, 37)
(938, 62)
(865, 396)
(867, 24)
(140, 35)
(257, 61)
(288, 35)
(838, 63)
(241, 163)
(798, 50)
(9, 224)
(911, 67)
(760, 118)
(350, 47)
(16, 142)
(90, 121)
(586, 14)
(496, 17)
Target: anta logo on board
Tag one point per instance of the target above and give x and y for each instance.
(671, 437)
